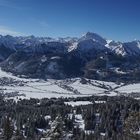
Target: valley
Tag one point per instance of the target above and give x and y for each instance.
(74, 87)
(83, 88)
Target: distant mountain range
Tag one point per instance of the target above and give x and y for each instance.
(90, 56)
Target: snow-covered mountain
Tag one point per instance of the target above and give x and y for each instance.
(86, 42)
(95, 37)
(124, 49)
(89, 56)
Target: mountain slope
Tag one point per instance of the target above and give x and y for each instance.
(89, 56)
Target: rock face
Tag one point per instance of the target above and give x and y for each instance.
(90, 56)
(5, 52)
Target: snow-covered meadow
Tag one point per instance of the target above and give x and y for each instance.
(36, 88)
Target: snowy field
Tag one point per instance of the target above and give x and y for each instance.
(131, 88)
(78, 103)
(35, 88)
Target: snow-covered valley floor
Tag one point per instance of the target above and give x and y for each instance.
(77, 87)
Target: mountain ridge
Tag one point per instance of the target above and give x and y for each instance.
(89, 56)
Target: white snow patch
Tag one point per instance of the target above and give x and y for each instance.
(79, 121)
(78, 103)
(100, 102)
(47, 117)
(43, 59)
(130, 88)
(72, 47)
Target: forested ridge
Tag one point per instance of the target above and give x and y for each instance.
(106, 118)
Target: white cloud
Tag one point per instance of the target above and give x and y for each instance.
(7, 31)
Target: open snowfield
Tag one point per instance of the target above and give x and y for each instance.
(78, 103)
(131, 88)
(35, 88)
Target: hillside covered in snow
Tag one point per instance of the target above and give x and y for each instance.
(14, 87)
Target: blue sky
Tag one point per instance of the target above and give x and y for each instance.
(113, 19)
